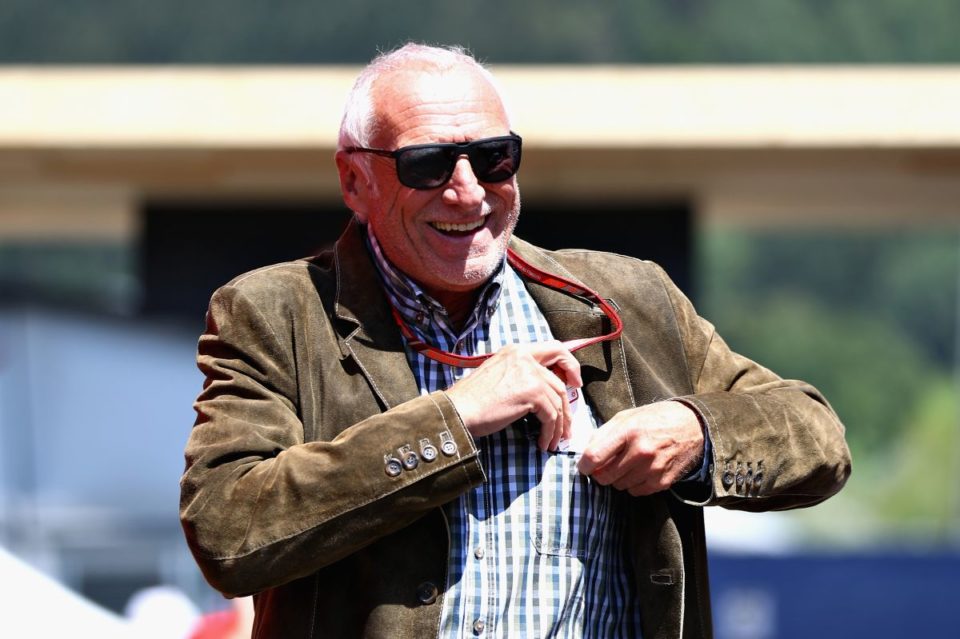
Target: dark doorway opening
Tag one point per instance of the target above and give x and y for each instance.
(657, 231)
(188, 249)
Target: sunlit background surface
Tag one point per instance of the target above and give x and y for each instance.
(811, 212)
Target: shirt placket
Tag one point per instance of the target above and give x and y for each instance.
(478, 620)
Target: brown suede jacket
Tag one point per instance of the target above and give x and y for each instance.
(308, 390)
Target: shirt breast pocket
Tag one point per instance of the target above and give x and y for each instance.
(564, 510)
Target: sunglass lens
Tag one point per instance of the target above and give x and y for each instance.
(425, 167)
(496, 160)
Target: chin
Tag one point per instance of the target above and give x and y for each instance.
(465, 281)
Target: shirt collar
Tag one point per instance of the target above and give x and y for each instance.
(416, 306)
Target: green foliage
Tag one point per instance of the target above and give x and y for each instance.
(297, 31)
(923, 491)
(908, 281)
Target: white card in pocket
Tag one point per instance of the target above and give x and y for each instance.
(582, 429)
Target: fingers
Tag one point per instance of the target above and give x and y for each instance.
(630, 474)
(617, 457)
(548, 416)
(553, 411)
(606, 446)
(559, 369)
(645, 450)
(636, 477)
(561, 362)
(517, 381)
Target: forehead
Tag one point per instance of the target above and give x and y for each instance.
(416, 106)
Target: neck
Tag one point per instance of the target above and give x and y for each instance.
(459, 304)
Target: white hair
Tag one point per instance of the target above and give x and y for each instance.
(359, 114)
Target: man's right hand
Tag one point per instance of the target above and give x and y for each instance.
(517, 380)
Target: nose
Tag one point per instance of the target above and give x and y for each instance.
(463, 189)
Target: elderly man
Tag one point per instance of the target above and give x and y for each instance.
(437, 429)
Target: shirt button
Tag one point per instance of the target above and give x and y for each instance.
(478, 552)
(426, 593)
(478, 627)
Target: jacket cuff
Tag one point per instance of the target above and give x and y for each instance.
(697, 488)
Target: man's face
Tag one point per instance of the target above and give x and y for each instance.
(452, 238)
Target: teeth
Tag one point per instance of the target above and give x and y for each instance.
(441, 226)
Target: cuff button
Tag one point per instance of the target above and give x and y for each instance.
(411, 460)
(392, 466)
(447, 446)
(427, 450)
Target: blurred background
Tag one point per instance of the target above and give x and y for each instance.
(795, 165)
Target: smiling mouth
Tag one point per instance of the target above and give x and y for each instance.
(444, 227)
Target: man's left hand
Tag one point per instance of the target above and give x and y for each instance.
(645, 450)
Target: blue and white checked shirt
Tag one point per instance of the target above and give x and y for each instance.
(538, 549)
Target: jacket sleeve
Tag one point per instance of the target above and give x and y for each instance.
(260, 506)
(776, 443)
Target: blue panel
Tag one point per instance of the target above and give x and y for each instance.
(824, 596)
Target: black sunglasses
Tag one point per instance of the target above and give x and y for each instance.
(428, 166)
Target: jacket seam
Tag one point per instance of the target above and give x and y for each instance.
(239, 280)
(368, 377)
(626, 372)
(711, 420)
(313, 611)
(547, 256)
(446, 571)
(676, 327)
(463, 428)
(260, 315)
(336, 307)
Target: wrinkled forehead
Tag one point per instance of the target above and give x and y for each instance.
(414, 106)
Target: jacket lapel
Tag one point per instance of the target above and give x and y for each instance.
(371, 337)
(605, 377)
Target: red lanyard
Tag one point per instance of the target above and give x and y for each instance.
(533, 273)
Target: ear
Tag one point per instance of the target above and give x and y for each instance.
(354, 185)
